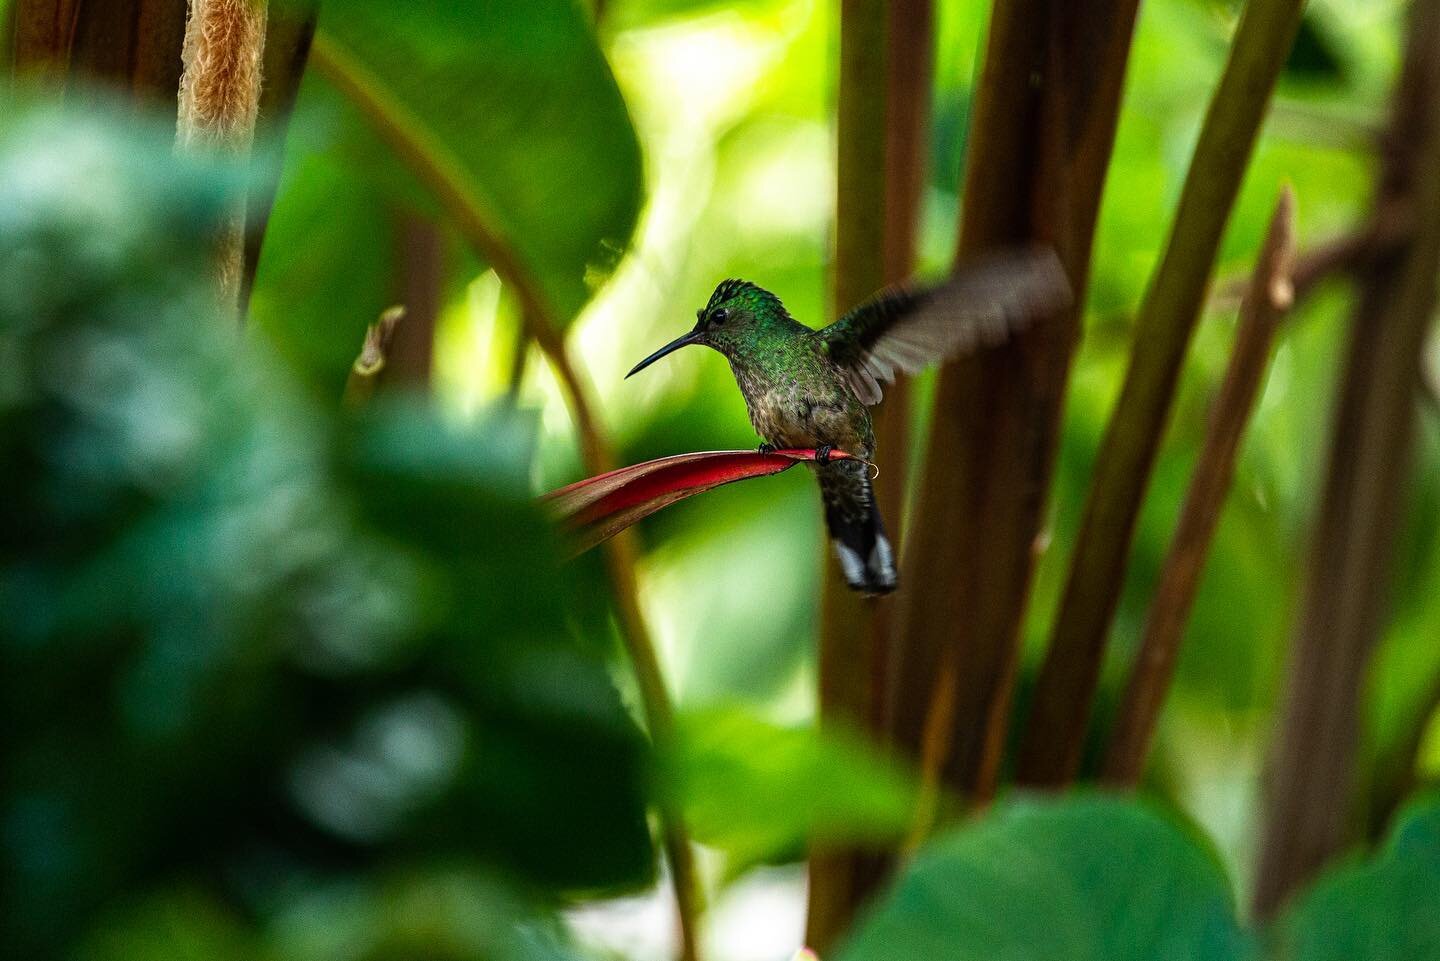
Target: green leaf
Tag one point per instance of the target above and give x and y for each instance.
(1384, 909)
(517, 96)
(1089, 878)
(759, 791)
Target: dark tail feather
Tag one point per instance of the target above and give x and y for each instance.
(856, 531)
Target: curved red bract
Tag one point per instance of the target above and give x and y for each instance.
(599, 507)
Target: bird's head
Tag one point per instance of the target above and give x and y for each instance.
(735, 319)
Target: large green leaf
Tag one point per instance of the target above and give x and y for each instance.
(1091, 878)
(759, 791)
(1384, 909)
(516, 96)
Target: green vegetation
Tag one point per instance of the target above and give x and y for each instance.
(296, 672)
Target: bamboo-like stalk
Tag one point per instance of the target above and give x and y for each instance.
(851, 625)
(420, 258)
(1310, 787)
(909, 70)
(219, 105)
(441, 174)
(127, 46)
(1269, 298)
(1055, 732)
(1043, 127)
(42, 32)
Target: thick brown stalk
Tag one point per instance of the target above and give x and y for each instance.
(131, 46)
(420, 281)
(839, 877)
(885, 71)
(1055, 731)
(846, 693)
(441, 174)
(1040, 141)
(41, 35)
(219, 106)
(909, 68)
(1265, 304)
(1310, 787)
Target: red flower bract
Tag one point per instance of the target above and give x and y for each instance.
(599, 507)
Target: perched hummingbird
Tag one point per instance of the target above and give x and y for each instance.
(812, 388)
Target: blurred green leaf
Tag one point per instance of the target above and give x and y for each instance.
(759, 791)
(519, 96)
(1383, 909)
(243, 642)
(438, 916)
(175, 926)
(1089, 877)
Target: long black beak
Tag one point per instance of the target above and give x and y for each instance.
(691, 338)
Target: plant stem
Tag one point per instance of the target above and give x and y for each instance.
(434, 167)
(420, 271)
(219, 105)
(1269, 298)
(126, 45)
(1310, 785)
(841, 878)
(1055, 732)
(1380, 236)
(1043, 127)
(371, 361)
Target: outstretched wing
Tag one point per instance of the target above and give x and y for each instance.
(908, 328)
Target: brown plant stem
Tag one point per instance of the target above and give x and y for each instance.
(1270, 296)
(1055, 731)
(883, 113)
(219, 105)
(1382, 234)
(1310, 787)
(1041, 136)
(41, 35)
(441, 174)
(130, 47)
(515, 380)
(374, 354)
(419, 281)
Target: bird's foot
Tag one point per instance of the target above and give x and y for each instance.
(822, 454)
(767, 448)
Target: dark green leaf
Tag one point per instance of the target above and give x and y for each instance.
(1384, 909)
(759, 791)
(1089, 878)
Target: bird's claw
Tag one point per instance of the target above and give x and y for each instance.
(822, 454)
(767, 448)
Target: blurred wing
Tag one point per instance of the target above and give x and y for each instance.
(908, 328)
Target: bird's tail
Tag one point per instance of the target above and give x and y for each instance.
(856, 530)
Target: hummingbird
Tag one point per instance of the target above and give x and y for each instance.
(808, 388)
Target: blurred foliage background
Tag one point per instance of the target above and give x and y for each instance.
(288, 682)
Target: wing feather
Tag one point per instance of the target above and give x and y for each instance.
(908, 328)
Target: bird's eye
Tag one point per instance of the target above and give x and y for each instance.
(719, 316)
